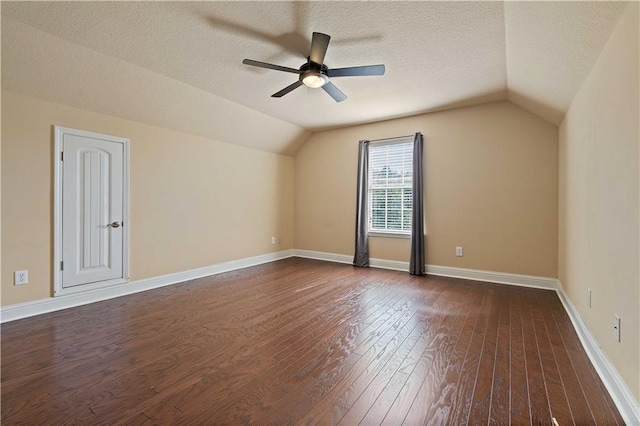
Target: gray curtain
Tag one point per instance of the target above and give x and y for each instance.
(361, 258)
(416, 264)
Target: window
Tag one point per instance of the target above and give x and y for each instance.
(390, 186)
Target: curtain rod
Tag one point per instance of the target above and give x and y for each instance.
(390, 139)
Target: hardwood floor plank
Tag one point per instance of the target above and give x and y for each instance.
(457, 316)
(468, 374)
(384, 379)
(560, 409)
(386, 398)
(440, 411)
(481, 402)
(367, 322)
(418, 362)
(322, 412)
(300, 341)
(600, 403)
(538, 399)
(334, 350)
(138, 419)
(307, 369)
(383, 350)
(520, 410)
(500, 409)
(580, 409)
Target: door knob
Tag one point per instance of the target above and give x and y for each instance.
(114, 225)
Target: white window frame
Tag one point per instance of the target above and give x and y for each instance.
(377, 232)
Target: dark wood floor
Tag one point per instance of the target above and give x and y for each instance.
(300, 342)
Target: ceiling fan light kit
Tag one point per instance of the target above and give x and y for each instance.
(314, 74)
(313, 79)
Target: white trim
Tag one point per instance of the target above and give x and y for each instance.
(61, 291)
(319, 255)
(620, 393)
(58, 289)
(404, 147)
(57, 209)
(387, 234)
(394, 265)
(444, 271)
(343, 258)
(494, 277)
(51, 304)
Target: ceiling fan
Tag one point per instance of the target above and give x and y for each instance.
(315, 74)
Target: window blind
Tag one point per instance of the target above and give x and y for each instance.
(390, 186)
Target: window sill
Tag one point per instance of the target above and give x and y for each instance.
(388, 234)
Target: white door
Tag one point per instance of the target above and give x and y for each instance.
(92, 210)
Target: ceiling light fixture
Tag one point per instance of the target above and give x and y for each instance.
(314, 79)
(314, 73)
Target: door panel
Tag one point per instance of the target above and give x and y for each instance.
(92, 210)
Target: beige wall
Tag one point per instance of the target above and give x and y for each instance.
(194, 201)
(491, 186)
(599, 195)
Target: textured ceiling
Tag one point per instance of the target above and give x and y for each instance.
(438, 55)
(551, 47)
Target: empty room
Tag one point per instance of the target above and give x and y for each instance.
(320, 212)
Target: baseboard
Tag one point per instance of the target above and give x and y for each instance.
(444, 271)
(319, 255)
(343, 258)
(51, 304)
(494, 277)
(620, 393)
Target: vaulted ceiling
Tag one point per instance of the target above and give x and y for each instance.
(105, 56)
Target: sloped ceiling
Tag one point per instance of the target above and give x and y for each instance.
(551, 47)
(156, 61)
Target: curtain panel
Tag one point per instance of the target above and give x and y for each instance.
(361, 257)
(417, 260)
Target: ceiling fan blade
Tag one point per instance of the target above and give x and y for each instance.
(287, 89)
(334, 92)
(270, 66)
(319, 44)
(356, 71)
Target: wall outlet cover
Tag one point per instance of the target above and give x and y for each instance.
(21, 277)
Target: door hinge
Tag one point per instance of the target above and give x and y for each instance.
(61, 155)
(61, 265)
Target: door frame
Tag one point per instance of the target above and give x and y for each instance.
(58, 135)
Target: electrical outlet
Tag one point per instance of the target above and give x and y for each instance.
(616, 327)
(273, 240)
(589, 297)
(21, 277)
(459, 251)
